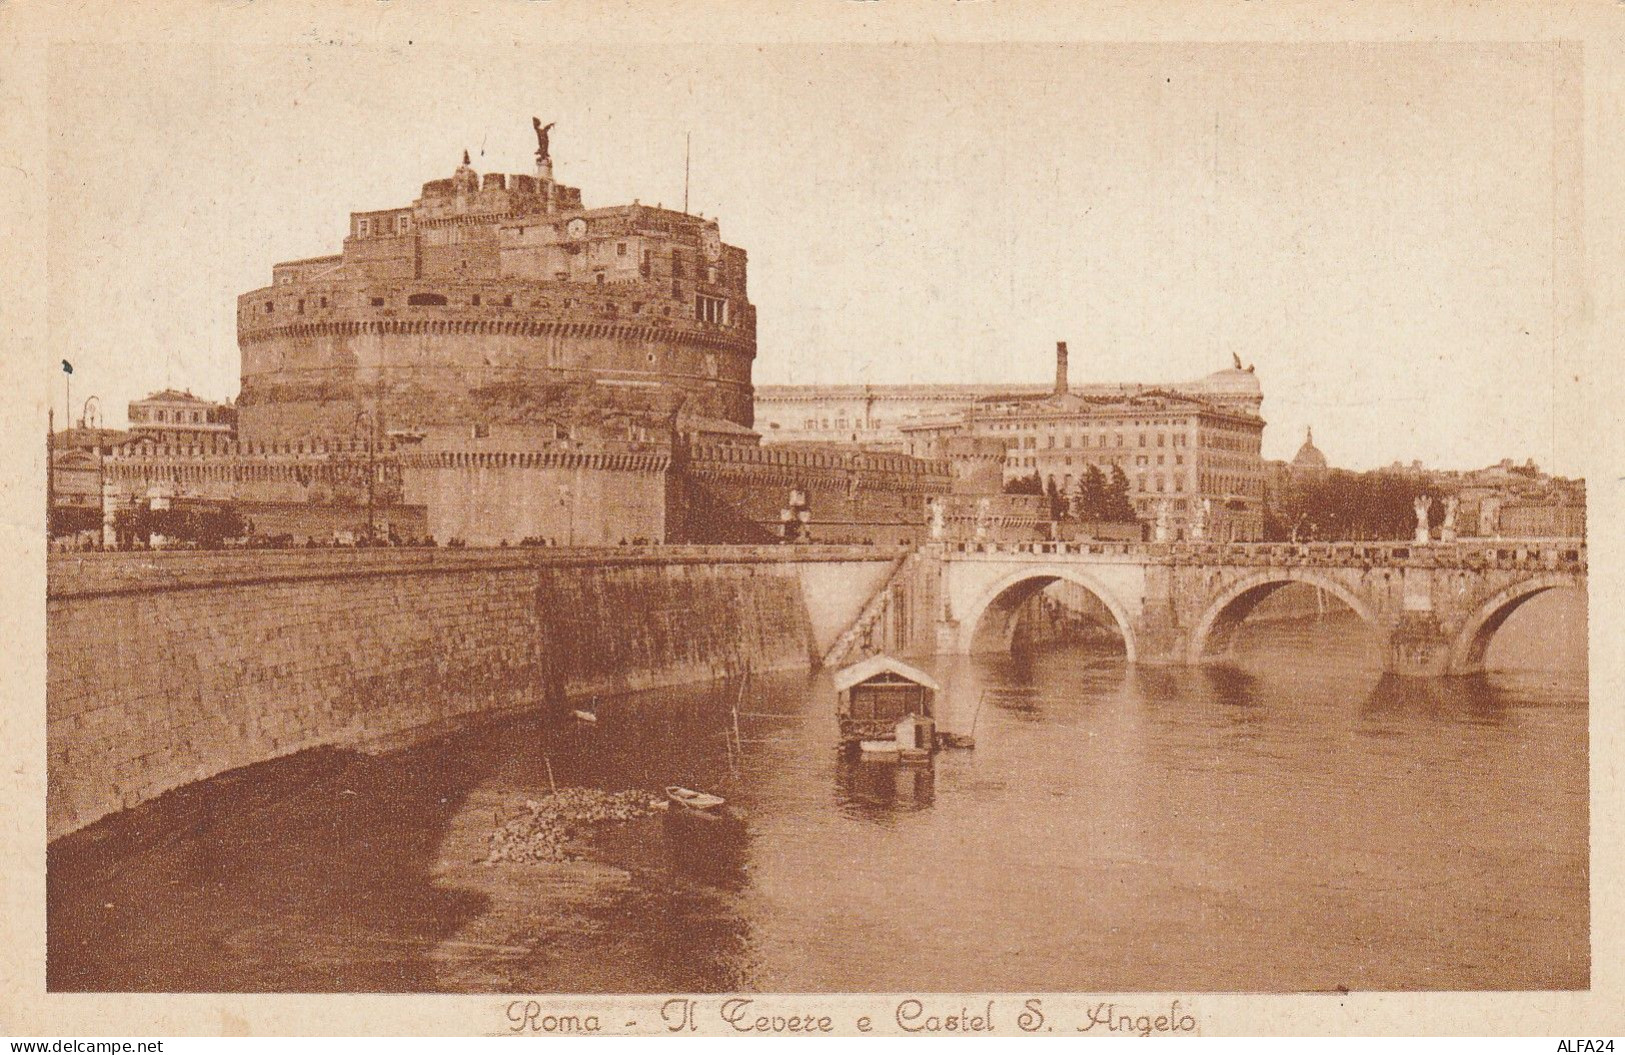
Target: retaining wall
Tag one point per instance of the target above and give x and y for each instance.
(166, 668)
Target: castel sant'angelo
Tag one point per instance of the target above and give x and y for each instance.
(496, 362)
(501, 300)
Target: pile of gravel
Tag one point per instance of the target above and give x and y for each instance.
(543, 830)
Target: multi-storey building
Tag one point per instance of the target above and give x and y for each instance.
(180, 417)
(1508, 500)
(1188, 460)
(75, 476)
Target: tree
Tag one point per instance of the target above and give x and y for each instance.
(207, 526)
(1092, 494)
(70, 520)
(1348, 506)
(1024, 485)
(1117, 505)
(1057, 505)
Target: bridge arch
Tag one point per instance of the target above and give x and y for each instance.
(1004, 597)
(1216, 629)
(1479, 629)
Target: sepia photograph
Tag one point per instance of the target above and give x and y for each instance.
(648, 525)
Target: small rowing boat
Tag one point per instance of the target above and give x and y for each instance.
(694, 801)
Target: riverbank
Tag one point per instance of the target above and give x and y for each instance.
(165, 669)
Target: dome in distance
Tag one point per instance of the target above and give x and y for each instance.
(1233, 381)
(1309, 456)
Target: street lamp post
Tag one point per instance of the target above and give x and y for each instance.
(50, 471)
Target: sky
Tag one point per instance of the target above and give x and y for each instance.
(1389, 233)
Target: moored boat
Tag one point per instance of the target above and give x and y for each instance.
(692, 801)
(884, 706)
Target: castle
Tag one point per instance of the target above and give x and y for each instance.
(496, 362)
(499, 300)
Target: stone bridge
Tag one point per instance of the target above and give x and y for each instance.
(1436, 606)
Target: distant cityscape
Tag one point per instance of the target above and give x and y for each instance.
(496, 364)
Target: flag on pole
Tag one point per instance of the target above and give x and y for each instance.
(67, 367)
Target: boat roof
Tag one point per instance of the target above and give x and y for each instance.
(847, 677)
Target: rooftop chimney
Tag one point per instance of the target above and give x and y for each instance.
(1060, 368)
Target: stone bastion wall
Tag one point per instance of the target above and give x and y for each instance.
(167, 668)
(313, 354)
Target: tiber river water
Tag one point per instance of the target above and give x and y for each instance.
(1293, 822)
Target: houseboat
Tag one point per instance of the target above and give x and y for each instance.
(886, 707)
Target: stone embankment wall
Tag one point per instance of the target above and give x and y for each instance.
(166, 668)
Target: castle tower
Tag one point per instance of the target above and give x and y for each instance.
(977, 464)
(465, 181)
(501, 301)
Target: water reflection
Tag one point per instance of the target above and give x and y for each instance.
(1230, 685)
(707, 849)
(1474, 699)
(1159, 682)
(196, 891)
(873, 789)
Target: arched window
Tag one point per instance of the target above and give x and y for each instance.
(427, 299)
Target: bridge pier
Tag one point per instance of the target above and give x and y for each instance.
(1418, 647)
(1162, 639)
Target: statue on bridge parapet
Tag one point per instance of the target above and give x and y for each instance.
(1423, 506)
(1163, 513)
(1204, 510)
(1447, 530)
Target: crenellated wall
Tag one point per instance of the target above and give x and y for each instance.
(595, 497)
(851, 496)
(168, 668)
(575, 484)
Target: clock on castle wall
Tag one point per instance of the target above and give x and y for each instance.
(711, 240)
(576, 228)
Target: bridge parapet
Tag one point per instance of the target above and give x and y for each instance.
(1471, 554)
(97, 573)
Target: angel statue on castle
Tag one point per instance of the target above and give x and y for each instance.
(541, 137)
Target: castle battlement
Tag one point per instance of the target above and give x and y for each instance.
(790, 458)
(225, 451)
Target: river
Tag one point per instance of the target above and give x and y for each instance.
(1292, 821)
